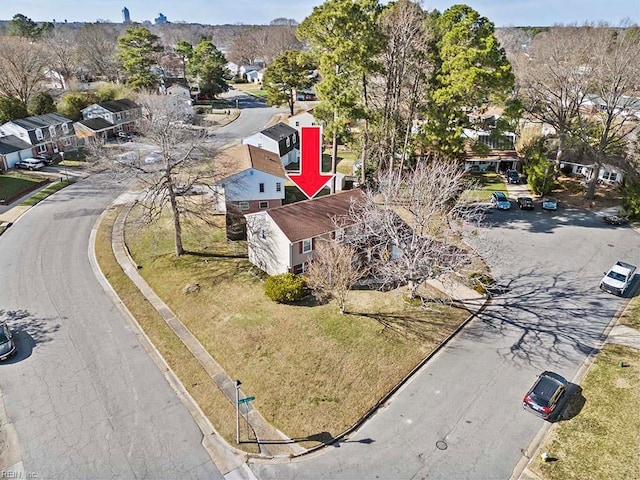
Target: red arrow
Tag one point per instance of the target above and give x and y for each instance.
(310, 180)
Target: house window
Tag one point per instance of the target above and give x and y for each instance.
(297, 124)
(263, 234)
(278, 187)
(66, 141)
(65, 128)
(263, 205)
(52, 131)
(298, 269)
(288, 142)
(39, 135)
(307, 245)
(244, 205)
(261, 188)
(42, 148)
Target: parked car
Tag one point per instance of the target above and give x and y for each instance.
(525, 203)
(500, 201)
(618, 278)
(128, 136)
(7, 344)
(544, 396)
(30, 164)
(513, 176)
(549, 203)
(615, 220)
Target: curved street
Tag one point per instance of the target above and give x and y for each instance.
(84, 397)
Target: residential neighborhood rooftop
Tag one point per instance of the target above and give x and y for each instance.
(244, 157)
(310, 218)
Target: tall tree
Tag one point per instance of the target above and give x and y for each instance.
(471, 71)
(606, 132)
(345, 34)
(184, 50)
(552, 81)
(291, 71)
(207, 65)
(400, 96)
(180, 164)
(22, 67)
(41, 103)
(98, 55)
(138, 49)
(22, 26)
(62, 47)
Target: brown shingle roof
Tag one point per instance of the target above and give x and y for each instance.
(243, 157)
(314, 217)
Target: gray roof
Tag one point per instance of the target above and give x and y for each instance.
(96, 124)
(118, 105)
(42, 121)
(279, 131)
(11, 143)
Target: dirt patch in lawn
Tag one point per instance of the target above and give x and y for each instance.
(313, 371)
(570, 191)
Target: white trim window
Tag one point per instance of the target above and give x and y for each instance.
(65, 128)
(42, 148)
(52, 131)
(278, 187)
(263, 205)
(39, 134)
(307, 245)
(244, 205)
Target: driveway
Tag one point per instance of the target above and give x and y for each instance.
(462, 415)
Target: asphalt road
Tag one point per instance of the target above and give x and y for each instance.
(85, 398)
(462, 415)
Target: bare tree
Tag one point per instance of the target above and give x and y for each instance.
(403, 229)
(62, 46)
(98, 50)
(22, 67)
(177, 162)
(398, 97)
(552, 79)
(606, 132)
(333, 271)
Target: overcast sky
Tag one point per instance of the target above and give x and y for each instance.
(216, 12)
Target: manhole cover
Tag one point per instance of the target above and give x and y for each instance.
(441, 445)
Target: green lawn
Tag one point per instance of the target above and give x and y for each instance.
(311, 369)
(13, 183)
(486, 184)
(45, 192)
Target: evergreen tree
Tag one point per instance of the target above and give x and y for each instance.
(137, 50)
(207, 65)
(289, 72)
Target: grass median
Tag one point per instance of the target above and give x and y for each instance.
(313, 371)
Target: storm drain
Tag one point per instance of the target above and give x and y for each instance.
(441, 445)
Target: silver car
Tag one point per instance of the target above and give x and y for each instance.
(7, 344)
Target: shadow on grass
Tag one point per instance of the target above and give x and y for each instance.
(573, 405)
(217, 255)
(406, 324)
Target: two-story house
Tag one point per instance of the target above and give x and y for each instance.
(283, 239)
(302, 119)
(280, 139)
(49, 133)
(252, 180)
(123, 114)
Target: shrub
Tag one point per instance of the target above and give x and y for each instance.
(285, 288)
